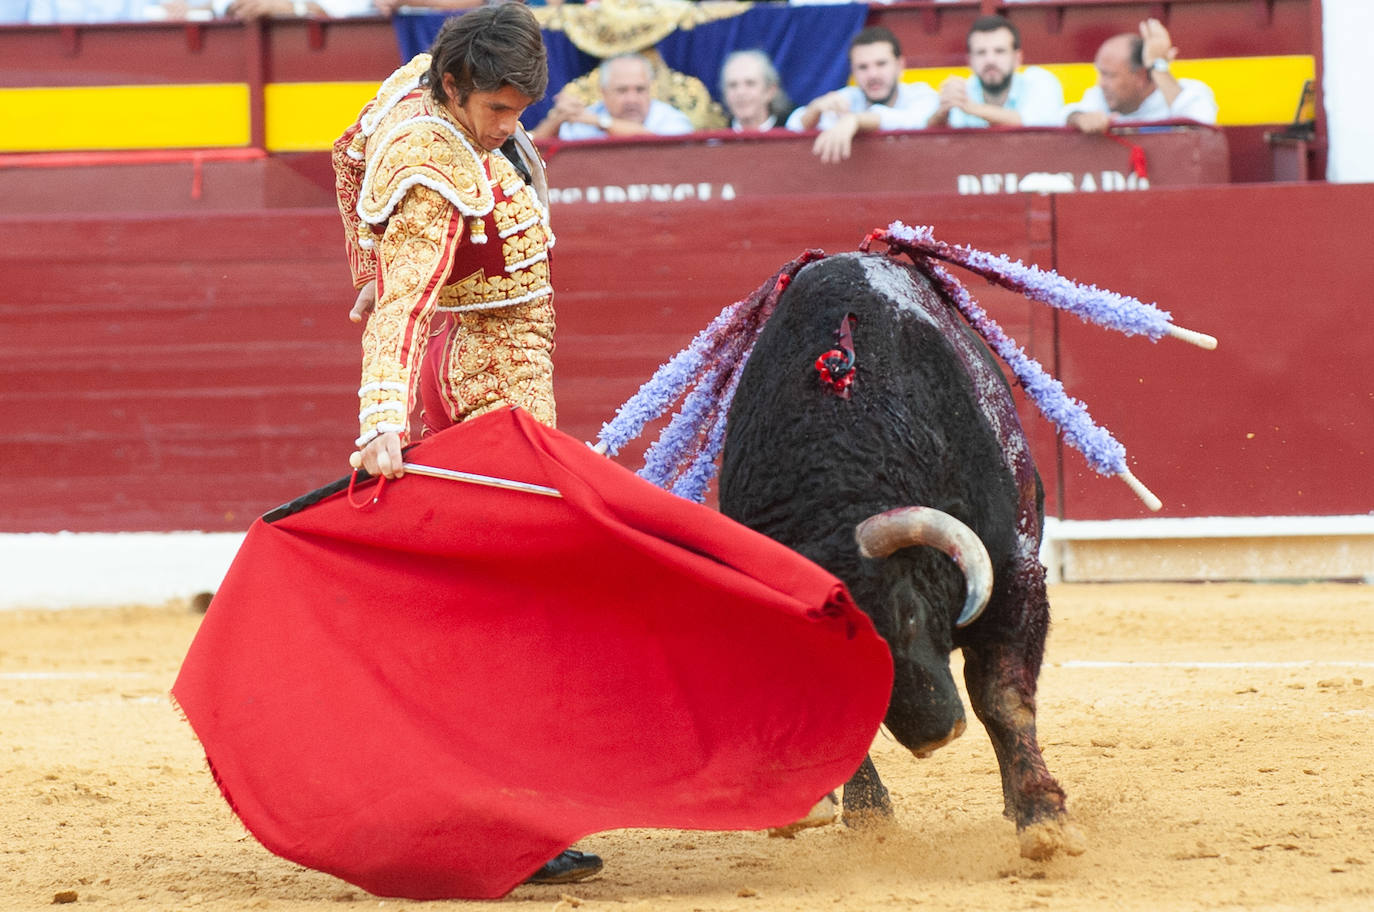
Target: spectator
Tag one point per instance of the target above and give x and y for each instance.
(88, 11)
(999, 91)
(753, 93)
(283, 9)
(878, 100)
(49, 12)
(1134, 85)
(389, 7)
(626, 107)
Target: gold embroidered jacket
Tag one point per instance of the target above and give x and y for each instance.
(440, 224)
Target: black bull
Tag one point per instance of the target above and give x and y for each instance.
(928, 420)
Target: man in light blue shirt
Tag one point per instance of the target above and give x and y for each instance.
(626, 107)
(999, 91)
(48, 12)
(44, 12)
(878, 100)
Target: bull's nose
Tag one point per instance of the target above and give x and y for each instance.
(925, 750)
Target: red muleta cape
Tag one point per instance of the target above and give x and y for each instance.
(431, 696)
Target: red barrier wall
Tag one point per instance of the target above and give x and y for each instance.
(189, 370)
(1279, 420)
(172, 371)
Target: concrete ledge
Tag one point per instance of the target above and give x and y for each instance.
(94, 569)
(66, 569)
(1211, 548)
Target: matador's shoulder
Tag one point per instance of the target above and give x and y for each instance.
(410, 141)
(392, 90)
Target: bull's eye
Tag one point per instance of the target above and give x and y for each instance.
(908, 632)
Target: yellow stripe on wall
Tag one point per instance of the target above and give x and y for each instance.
(1253, 90)
(1249, 90)
(307, 116)
(123, 117)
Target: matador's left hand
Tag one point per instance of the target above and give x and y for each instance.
(367, 299)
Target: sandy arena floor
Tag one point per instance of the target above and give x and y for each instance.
(1216, 742)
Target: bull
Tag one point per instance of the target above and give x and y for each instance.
(872, 432)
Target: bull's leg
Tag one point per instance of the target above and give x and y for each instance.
(865, 796)
(1001, 687)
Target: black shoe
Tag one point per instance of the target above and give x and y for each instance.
(568, 866)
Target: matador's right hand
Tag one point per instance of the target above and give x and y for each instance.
(381, 456)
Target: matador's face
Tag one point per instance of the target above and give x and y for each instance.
(490, 117)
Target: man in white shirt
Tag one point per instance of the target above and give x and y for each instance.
(999, 92)
(878, 100)
(626, 107)
(1134, 85)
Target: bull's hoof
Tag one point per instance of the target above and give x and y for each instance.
(822, 814)
(866, 817)
(1047, 838)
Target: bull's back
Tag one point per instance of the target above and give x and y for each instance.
(804, 465)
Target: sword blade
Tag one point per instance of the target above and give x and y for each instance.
(341, 484)
(488, 480)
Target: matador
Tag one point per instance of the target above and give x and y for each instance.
(457, 241)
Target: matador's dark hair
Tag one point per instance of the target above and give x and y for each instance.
(487, 49)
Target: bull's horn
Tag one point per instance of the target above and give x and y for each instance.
(883, 533)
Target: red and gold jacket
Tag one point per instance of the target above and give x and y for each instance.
(440, 223)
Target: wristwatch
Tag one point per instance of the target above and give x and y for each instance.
(604, 121)
(1160, 65)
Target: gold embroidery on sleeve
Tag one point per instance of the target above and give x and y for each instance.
(416, 253)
